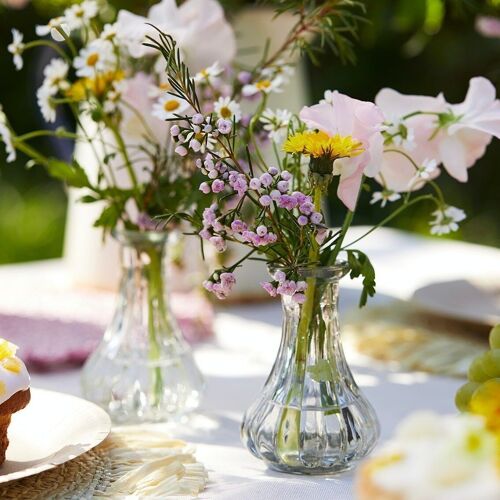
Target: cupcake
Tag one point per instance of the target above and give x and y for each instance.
(14, 390)
(433, 457)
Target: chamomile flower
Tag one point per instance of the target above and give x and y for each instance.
(114, 95)
(97, 57)
(6, 136)
(156, 91)
(280, 68)
(227, 109)
(209, 75)
(168, 106)
(53, 27)
(264, 86)
(109, 32)
(79, 16)
(384, 196)
(46, 103)
(55, 75)
(16, 48)
(446, 220)
(276, 123)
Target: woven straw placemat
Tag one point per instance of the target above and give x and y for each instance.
(411, 340)
(130, 462)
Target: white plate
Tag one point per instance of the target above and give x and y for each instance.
(476, 301)
(51, 430)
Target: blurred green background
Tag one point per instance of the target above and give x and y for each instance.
(414, 46)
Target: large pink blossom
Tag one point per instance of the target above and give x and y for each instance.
(476, 121)
(198, 26)
(397, 171)
(361, 120)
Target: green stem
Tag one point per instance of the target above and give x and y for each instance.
(52, 45)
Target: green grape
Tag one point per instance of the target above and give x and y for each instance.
(491, 363)
(476, 370)
(495, 337)
(463, 395)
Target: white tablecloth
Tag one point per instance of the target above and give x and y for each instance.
(237, 363)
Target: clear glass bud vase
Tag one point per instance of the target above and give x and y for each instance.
(143, 370)
(311, 417)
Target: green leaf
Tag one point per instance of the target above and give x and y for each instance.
(109, 217)
(360, 265)
(322, 371)
(71, 173)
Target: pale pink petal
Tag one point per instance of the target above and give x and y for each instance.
(350, 183)
(454, 157)
(396, 105)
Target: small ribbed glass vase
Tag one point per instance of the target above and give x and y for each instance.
(311, 417)
(143, 370)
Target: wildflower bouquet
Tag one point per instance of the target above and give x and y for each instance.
(311, 416)
(116, 92)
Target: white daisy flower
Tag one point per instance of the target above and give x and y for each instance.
(16, 48)
(159, 90)
(328, 98)
(46, 104)
(276, 123)
(168, 106)
(384, 196)
(97, 57)
(281, 68)
(52, 27)
(109, 32)
(55, 74)
(446, 220)
(78, 16)
(427, 168)
(263, 85)
(228, 109)
(6, 137)
(113, 96)
(209, 75)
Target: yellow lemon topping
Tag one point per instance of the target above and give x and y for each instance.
(12, 365)
(319, 144)
(7, 349)
(171, 105)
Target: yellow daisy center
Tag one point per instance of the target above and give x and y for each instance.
(92, 59)
(320, 145)
(171, 105)
(263, 84)
(165, 86)
(225, 112)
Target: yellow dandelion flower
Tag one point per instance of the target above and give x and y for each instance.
(97, 86)
(321, 145)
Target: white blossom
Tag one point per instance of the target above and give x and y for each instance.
(276, 123)
(52, 27)
(446, 220)
(228, 109)
(6, 136)
(16, 48)
(46, 104)
(97, 57)
(263, 85)
(78, 16)
(55, 74)
(209, 75)
(384, 196)
(168, 106)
